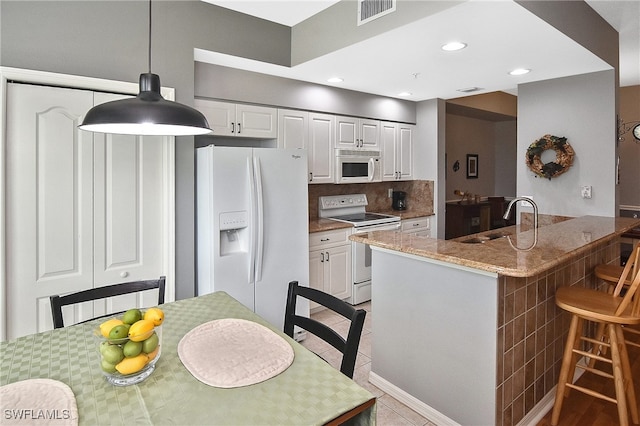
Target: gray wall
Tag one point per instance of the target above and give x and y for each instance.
(586, 117)
(217, 82)
(108, 39)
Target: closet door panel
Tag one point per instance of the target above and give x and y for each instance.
(49, 202)
(128, 188)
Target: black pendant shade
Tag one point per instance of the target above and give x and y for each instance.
(146, 114)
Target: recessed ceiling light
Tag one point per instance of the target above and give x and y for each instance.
(404, 94)
(469, 89)
(453, 46)
(335, 80)
(519, 71)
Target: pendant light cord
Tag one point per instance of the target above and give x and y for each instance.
(149, 36)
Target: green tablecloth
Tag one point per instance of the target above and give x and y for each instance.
(308, 392)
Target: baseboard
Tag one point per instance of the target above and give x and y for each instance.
(410, 401)
(532, 418)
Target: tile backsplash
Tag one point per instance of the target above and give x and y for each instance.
(419, 194)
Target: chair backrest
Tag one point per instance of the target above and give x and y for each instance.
(348, 346)
(57, 302)
(630, 273)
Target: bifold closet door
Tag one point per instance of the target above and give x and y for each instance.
(49, 202)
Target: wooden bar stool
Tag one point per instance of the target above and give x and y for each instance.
(611, 275)
(613, 311)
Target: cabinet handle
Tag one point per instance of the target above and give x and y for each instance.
(416, 224)
(327, 256)
(325, 239)
(310, 176)
(233, 127)
(321, 257)
(239, 128)
(124, 274)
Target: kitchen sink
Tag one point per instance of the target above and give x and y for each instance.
(475, 240)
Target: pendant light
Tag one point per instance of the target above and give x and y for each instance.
(146, 114)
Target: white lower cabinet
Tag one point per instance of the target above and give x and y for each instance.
(330, 263)
(418, 226)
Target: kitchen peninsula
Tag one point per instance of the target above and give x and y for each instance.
(467, 331)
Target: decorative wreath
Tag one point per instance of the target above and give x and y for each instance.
(564, 156)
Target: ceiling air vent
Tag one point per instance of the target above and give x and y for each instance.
(368, 10)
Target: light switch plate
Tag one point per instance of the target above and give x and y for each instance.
(586, 191)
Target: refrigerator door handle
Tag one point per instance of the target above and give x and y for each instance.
(260, 219)
(252, 245)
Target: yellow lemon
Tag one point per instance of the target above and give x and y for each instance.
(106, 326)
(132, 365)
(155, 315)
(141, 330)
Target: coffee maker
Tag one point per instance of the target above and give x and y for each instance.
(399, 200)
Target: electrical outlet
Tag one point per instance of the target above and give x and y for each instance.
(586, 191)
(526, 203)
(390, 193)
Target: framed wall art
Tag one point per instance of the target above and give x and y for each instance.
(472, 166)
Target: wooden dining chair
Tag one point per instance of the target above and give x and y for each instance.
(349, 346)
(613, 311)
(57, 302)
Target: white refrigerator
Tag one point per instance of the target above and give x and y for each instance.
(252, 226)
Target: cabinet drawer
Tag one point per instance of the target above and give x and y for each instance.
(410, 225)
(329, 238)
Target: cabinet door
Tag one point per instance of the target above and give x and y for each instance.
(321, 148)
(316, 273)
(49, 235)
(388, 135)
(221, 116)
(405, 151)
(346, 132)
(369, 134)
(293, 129)
(256, 122)
(338, 271)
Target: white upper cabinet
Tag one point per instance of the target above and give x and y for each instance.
(320, 150)
(357, 133)
(239, 120)
(396, 140)
(293, 129)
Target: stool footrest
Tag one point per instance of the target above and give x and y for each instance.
(592, 393)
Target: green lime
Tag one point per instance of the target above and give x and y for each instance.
(119, 332)
(150, 344)
(113, 354)
(131, 316)
(131, 349)
(103, 345)
(107, 367)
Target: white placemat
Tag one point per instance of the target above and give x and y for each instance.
(38, 401)
(231, 352)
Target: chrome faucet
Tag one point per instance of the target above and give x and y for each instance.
(530, 201)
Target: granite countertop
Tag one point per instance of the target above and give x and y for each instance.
(319, 225)
(516, 255)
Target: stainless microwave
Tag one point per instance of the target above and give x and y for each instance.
(358, 166)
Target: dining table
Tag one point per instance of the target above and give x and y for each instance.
(309, 392)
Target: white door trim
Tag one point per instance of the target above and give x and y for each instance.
(88, 83)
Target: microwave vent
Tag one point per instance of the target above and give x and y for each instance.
(368, 10)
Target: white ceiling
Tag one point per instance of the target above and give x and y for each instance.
(499, 38)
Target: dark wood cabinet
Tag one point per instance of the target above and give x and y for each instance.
(464, 218)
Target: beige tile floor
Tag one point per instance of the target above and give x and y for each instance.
(390, 412)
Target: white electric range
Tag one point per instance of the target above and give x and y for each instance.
(352, 209)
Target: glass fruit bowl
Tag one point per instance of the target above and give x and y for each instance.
(128, 353)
